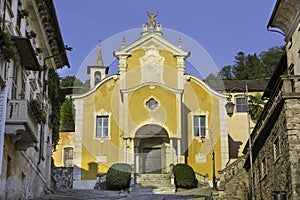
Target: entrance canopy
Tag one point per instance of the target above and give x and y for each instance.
(151, 130)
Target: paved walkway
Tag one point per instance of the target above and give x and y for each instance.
(194, 194)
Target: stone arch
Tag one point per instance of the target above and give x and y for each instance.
(152, 147)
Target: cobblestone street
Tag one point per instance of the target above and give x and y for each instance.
(195, 194)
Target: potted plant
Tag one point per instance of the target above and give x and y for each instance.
(24, 13)
(38, 50)
(33, 34)
(8, 49)
(38, 112)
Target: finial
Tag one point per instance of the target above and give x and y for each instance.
(179, 42)
(123, 42)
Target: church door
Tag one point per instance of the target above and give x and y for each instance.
(152, 162)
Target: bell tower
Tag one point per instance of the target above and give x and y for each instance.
(98, 71)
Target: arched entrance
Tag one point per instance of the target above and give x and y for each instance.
(152, 145)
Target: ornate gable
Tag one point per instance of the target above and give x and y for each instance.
(151, 39)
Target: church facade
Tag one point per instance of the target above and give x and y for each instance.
(151, 115)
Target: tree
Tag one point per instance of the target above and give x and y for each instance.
(226, 72)
(269, 59)
(253, 66)
(66, 112)
(239, 68)
(70, 81)
(256, 106)
(55, 100)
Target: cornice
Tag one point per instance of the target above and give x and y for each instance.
(151, 37)
(285, 17)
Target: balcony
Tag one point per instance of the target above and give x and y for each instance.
(291, 86)
(21, 124)
(27, 53)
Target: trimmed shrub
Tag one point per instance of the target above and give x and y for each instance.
(184, 176)
(118, 176)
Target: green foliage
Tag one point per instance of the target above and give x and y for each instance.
(226, 72)
(55, 100)
(256, 106)
(66, 112)
(270, 59)
(85, 86)
(118, 176)
(7, 47)
(253, 66)
(38, 112)
(184, 176)
(70, 81)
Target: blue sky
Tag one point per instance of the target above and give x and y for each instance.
(222, 28)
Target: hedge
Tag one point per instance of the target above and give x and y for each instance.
(184, 176)
(118, 176)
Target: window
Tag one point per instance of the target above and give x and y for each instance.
(97, 77)
(279, 195)
(23, 84)
(241, 104)
(199, 125)
(19, 19)
(263, 167)
(68, 157)
(102, 126)
(276, 149)
(152, 104)
(14, 82)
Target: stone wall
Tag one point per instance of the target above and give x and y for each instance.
(234, 181)
(23, 175)
(63, 176)
(281, 173)
(293, 139)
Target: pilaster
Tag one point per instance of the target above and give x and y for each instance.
(78, 139)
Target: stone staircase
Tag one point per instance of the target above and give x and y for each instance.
(154, 183)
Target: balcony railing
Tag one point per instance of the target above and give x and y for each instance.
(291, 86)
(21, 124)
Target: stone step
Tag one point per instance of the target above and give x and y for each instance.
(153, 179)
(155, 190)
(154, 183)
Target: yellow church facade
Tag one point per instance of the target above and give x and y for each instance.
(151, 115)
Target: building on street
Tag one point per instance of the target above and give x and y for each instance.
(31, 48)
(276, 136)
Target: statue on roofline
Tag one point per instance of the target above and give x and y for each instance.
(151, 19)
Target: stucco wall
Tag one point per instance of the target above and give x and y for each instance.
(21, 176)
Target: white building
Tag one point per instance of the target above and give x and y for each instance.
(25, 131)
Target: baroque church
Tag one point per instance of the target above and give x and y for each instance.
(151, 115)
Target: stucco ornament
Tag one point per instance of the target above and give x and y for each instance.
(152, 65)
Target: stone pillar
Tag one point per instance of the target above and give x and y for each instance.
(125, 150)
(171, 151)
(132, 152)
(179, 150)
(78, 143)
(132, 181)
(137, 161)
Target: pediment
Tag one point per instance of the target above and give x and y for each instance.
(151, 39)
